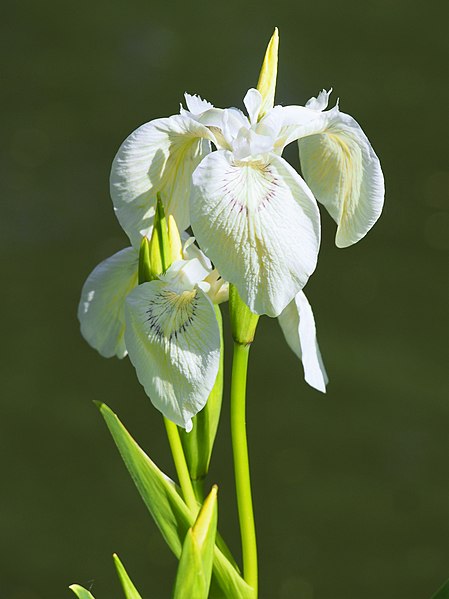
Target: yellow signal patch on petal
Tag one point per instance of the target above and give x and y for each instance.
(173, 341)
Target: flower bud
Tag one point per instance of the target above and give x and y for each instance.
(165, 246)
(145, 274)
(268, 74)
(160, 258)
(243, 321)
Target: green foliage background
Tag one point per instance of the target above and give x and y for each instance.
(350, 488)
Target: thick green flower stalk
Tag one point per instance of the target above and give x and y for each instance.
(257, 231)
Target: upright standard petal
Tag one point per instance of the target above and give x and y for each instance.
(159, 157)
(298, 325)
(259, 224)
(173, 340)
(343, 171)
(101, 310)
(196, 105)
(253, 103)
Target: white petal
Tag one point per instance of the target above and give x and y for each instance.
(190, 251)
(259, 224)
(101, 308)
(250, 144)
(292, 122)
(214, 285)
(159, 156)
(253, 104)
(196, 105)
(344, 173)
(173, 341)
(298, 325)
(320, 102)
(185, 274)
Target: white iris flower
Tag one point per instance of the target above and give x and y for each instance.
(167, 326)
(257, 219)
(252, 213)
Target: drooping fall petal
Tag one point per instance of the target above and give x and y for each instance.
(344, 173)
(259, 224)
(101, 308)
(173, 341)
(298, 325)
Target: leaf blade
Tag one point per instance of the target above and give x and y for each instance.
(173, 518)
(81, 592)
(128, 587)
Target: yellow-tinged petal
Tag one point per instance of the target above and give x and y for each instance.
(158, 157)
(268, 74)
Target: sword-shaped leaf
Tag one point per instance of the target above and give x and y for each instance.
(81, 592)
(128, 587)
(172, 516)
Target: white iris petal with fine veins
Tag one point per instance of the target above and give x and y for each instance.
(173, 341)
(260, 222)
(158, 158)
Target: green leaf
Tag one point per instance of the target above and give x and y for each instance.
(80, 592)
(157, 490)
(198, 444)
(162, 498)
(195, 566)
(226, 581)
(128, 587)
(443, 592)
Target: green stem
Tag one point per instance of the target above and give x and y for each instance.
(241, 464)
(181, 465)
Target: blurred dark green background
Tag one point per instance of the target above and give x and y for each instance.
(351, 489)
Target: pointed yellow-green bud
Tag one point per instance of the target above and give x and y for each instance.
(145, 273)
(160, 258)
(174, 240)
(268, 74)
(195, 566)
(205, 520)
(243, 321)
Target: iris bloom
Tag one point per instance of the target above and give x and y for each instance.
(254, 216)
(169, 329)
(252, 213)
(167, 326)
